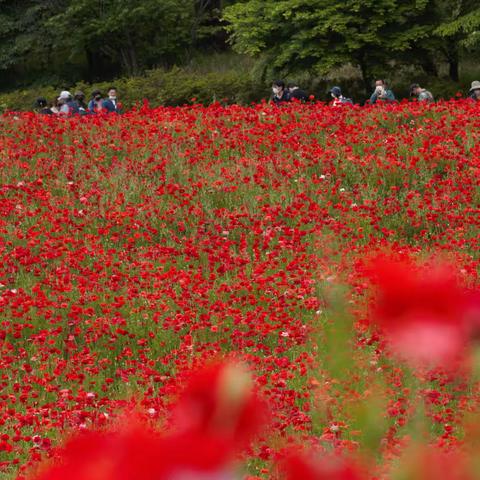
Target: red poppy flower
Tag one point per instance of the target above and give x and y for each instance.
(216, 415)
(219, 401)
(422, 310)
(329, 467)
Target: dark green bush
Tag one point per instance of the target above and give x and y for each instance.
(159, 87)
(227, 84)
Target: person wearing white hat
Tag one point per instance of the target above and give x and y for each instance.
(63, 101)
(474, 92)
(65, 95)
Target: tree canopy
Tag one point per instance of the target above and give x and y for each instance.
(375, 35)
(101, 36)
(100, 39)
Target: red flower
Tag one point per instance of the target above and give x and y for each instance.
(324, 468)
(131, 453)
(219, 401)
(422, 310)
(139, 453)
(217, 414)
(430, 463)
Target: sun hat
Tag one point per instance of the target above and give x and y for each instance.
(64, 95)
(475, 85)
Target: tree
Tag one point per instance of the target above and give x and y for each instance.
(458, 24)
(65, 40)
(135, 33)
(23, 35)
(318, 35)
(208, 29)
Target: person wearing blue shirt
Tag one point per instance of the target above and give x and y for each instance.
(110, 105)
(382, 93)
(95, 105)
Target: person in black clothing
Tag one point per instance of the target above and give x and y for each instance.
(41, 106)
(296, 93)
(280, 93)
(96, 102)
(79, 99)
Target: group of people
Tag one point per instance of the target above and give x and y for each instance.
(68, 104)
(282, 93)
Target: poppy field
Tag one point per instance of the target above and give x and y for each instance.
(317, 266)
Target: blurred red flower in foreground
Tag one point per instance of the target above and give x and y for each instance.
(323, 468)
(217, 414)
(424, 312)
(429, 463)
(219, 401)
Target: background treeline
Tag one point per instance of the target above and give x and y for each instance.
(170, 51)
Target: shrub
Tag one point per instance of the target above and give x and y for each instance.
(160, 87)
(226, 83)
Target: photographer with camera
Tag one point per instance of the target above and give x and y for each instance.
(382, 93)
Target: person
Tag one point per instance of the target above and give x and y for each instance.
(422, 95)
(95, 105)
(296, 93)
(67, 104)
(338, 98)
(382, 93)
(55, 108)
(280, 93)
(42, 107)
(63, 99)
(79, 99)
(111, 105)
(474, 93)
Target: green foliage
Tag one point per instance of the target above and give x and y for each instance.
(22, 31)
(322, 34)
(459, 20)
(59, 42)
(99, 39)
(134, 33)
(174, 87)
(231, 80)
